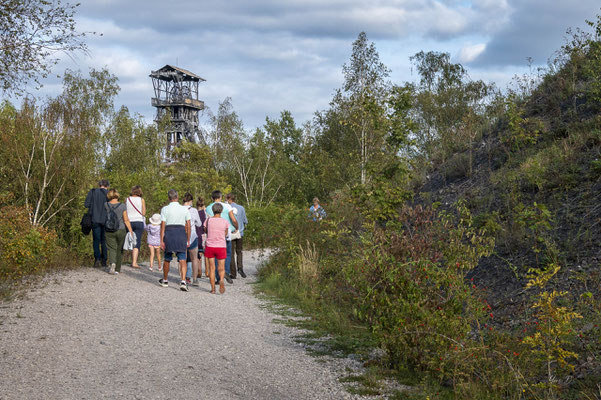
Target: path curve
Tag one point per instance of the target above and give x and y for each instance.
(90, 335)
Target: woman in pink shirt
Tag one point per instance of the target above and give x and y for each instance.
(216, 229)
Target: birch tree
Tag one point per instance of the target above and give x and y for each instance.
(364, 92)
(52, 148)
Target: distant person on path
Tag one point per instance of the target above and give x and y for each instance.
(236, 264)
(228, 215)
(175, 237)
(202, 237)
(95, 200)
(217, 229)
(115, 224)
(153, 238)
(316, 211)
(136, 212)
(192, 260)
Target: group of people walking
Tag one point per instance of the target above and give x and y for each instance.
(190, 232)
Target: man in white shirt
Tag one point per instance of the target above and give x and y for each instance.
(175, 237)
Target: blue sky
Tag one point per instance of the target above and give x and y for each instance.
(271, 55)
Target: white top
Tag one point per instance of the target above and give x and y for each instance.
(194, 222)
(132, 213)
(175, 214)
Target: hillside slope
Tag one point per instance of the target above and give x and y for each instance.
(536, 185)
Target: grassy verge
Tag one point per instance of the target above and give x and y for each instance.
(331, 330)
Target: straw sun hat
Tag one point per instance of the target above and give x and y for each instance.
(155, 219)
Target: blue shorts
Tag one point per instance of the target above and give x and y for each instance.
(138, 228)
(168, 256)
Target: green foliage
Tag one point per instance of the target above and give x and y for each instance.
(447, 105)
(268, 224)
(44, 144)
(536, 223)
(380, 200)
(411, 289)
(522, 131)
(25, 249)
(554, 332)
(592, 67)
(191, 170)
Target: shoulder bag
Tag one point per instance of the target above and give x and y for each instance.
(86, 219)
(136, 208)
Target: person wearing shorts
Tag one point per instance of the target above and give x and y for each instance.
(192, 260)
(175, 237)
(136, 212)
(217, 229)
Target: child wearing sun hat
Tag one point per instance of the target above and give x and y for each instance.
(154, 239)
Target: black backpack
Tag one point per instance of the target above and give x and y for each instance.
(111, 223)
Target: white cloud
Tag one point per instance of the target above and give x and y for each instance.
(270, 55)
(469, 53)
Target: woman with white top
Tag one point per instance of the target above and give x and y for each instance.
(193, 262)
(136, 211)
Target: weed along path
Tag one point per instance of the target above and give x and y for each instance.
(89, 335)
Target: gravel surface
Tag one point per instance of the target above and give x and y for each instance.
(90, 335)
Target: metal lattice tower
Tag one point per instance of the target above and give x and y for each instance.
(176, 93)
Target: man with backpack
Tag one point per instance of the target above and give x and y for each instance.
(94, 202)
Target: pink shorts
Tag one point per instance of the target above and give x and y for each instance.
(218, 252)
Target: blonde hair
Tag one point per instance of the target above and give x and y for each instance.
(112, 194)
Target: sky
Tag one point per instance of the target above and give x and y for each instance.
(274, 55)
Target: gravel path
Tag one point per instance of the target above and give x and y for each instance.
(90, 335)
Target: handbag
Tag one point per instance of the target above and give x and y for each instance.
(86, 223)
(235, 235)
(136, 208)
(86, 219)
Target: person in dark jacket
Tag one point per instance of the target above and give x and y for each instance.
(95, 201)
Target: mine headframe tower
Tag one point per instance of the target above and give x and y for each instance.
(176, 94)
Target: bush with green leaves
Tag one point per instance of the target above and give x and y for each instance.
(411, 287)
(25, 249)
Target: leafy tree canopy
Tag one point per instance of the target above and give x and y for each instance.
(32, 32)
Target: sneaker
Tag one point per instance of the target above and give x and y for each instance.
(195, 282)
(188, 281)
(163, 283)
(112, 269)
(97, 264)
(233, 276)
(229, 279)
(183, 286)
(242, 274)
(116, 273)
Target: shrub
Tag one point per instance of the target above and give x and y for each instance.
(411, 286)
(24, 249)
(267, 225)
(457, 167)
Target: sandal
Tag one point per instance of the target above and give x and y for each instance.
(136, 266)
(212, 291)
